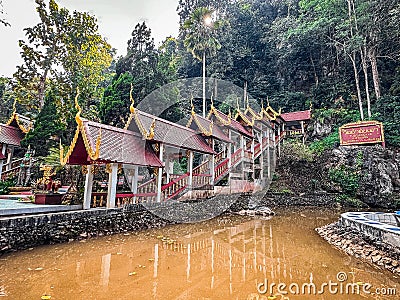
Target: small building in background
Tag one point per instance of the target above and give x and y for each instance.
(296, 123)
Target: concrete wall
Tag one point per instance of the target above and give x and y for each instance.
(373, 225)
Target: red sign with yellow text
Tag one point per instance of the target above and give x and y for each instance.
(366, 132)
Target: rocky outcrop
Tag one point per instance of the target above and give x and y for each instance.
(354, 243)
(378, 168)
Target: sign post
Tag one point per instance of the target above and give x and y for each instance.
(359, 133)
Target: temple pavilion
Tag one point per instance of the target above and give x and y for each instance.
(223, 154)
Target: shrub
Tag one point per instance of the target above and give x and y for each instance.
(347, 178)
(297, 151)
(329, 142)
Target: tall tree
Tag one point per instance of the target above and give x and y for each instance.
(200, 38)
(64, 48)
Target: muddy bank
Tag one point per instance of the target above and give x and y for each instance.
(361, 246)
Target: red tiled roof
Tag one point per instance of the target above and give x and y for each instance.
(173, 134)
(10, 135)
(297, 116)
(117, 145)
(235, 125)
(206, 123)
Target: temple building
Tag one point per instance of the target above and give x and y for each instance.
(11, 135)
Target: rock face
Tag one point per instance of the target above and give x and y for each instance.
(379, 184)
(372, 170)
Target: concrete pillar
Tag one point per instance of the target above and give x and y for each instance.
(87, 195)
(269, 152)
(212, 163)
(279, 141)
(3, 151)
(190, 169)
(159, 176)
(229, 156)
(112, 185)
(242, 146)
(9, 158)
(135, 180)
(167, 167)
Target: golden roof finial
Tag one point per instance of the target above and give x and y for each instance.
(268, 101)
(131, 108)
(311, 105)
(212, 100)
(150, 135)
(14, 106)
(78, 114)
(191, 103)
(247, 101)
(280, 111)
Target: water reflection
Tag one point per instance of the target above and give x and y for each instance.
(224, 258)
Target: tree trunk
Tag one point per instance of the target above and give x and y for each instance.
(204, 84)
(42, 88)
(363, 53)
(357, 80)
(375, 73)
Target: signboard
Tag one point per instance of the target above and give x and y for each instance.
(366, 132)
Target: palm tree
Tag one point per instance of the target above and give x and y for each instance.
(200, 38)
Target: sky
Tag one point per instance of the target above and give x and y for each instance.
(116, 20)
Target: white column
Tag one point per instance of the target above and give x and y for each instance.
(9, 157)
(87, 195)
(302, 131)
(279, 141)
(167, 167)
(112, 186)
(212, 164)
(135, 181)
(269, 152)
(229, 156)
(242, 145)
(190, 169)
(159, 176)
(3, 151)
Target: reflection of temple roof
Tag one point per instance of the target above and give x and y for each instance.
(297, 116)
(207, 127)
(95, 142)
(10, 135)
(21, 122)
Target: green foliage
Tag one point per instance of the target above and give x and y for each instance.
(5, 185)
(387, 110)
(347, 178)
(48, 128)
(200, 36)
(63, 49)
(329, 142)
(6, 99)
(349, 201)
(297, 151)
(114, 106)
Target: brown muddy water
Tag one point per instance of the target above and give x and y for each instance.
(224, 258)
